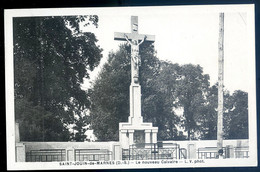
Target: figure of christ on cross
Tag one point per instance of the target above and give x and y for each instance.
(135, 57)
(133, 39)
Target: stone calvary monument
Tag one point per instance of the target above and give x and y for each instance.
(135, 130)
(137, 139)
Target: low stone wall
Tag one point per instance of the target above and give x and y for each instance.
(193, 146)
(70, 147)
(116, 149)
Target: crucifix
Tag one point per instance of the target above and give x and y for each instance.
(133, 39)
(135, 128)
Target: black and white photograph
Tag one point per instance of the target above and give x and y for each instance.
(131, 87)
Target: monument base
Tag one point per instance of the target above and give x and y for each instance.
(135, 130)
(129, 133)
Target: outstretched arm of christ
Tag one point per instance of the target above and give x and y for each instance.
(143, 40)
(127, 39)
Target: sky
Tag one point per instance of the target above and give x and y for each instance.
(184, 36)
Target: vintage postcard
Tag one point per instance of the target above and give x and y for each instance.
(131, 87)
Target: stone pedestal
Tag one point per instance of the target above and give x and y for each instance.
(20, 153)
(135, 121)
(229, 151)
(192, 151)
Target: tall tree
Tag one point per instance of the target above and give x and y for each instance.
(208, 115)
(161, 101)
(190, 93)
(109, 95)
(51, 58)
(236, 116)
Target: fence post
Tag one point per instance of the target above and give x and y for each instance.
(229, 151)
(192, 151)
(117, 152)
(70, 154)
(179, 150)
(20, 153)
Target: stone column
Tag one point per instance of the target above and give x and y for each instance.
(147, 138)
(154, 135)
(123, 139)
(131, 137)
(135, 104)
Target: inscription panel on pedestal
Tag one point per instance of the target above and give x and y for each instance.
(139, 137)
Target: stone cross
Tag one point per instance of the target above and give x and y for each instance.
(133, 39)
(135, 130)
